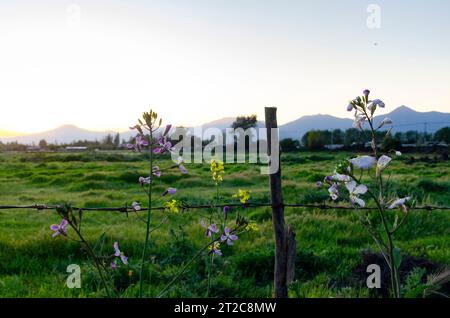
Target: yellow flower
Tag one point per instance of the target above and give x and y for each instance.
(217, 171)
(242, 195)
(171, 206)
(130, 273)
(252, 227)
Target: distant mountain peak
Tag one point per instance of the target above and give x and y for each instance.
(403, 108)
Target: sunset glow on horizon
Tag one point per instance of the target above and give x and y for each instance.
(100, 64)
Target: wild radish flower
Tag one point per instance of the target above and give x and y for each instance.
(139, 143)
(378, 102)
(136, 206)
(400, 203)
(182, 169)
(328, 179)
(217, 171)
(386, 121)
(359, 121)
(181, 166)
(114, 265)
(166, 131)
(118, 253)
(354, 191)
(144, 181)
(340, 177)
(170, 191)
(350, 107)
(164, 146)
(333, 190)
(215, 249)
(171, 206)
(383, 161)
(156, 171)
(59, 229)
(319, 184)
(209, 229)
(228, 237)
(226, 209)
(363, 162)
(242, 195)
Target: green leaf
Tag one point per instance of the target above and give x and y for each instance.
(397, 257)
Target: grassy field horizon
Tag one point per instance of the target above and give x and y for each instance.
(332, 245)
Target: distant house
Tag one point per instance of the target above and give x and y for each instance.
(409, 146)
(74, 149)
(334, 146)
(34, 148)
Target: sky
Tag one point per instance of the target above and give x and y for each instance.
(100, 64)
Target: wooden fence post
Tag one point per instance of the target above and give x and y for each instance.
(284, 251)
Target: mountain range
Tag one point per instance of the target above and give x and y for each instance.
(404, 119)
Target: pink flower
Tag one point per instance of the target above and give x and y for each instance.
(114, 265)
(164, 145)
(156, 171)
(59, 229)
(209, 229)
(118, 253)
(136, 206)
(333, 190)
(170, 191)
(139, 143)
(144, 181)
(228, 237)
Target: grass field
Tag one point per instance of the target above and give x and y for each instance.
(329, 243)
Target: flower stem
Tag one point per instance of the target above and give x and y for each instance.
(147, 233)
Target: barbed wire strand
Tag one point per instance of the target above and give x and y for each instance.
(126, 209)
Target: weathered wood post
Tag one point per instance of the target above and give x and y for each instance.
(284, 240)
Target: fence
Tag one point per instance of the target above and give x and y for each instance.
(285, 243)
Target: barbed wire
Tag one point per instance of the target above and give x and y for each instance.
(126, 208)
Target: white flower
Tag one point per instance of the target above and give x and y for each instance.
(359, 121)
(340, 177)
(375, 103)
(400, 203)
(334, 193)
(383, 161)
(136, 206)
(350, 107)
(386, 121)
(354, 190)
(363, 162)
(398, 153)
(378, 102)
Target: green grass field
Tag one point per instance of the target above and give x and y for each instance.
(329, 243)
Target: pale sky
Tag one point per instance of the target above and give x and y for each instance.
(99, 64)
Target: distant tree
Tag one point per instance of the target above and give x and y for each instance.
(245, 122)
(289, 145)
(443, 134)
(412, 137)
(337, 136)
(390, 143)
(315, 139)
(116, 140)
(43, 144)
